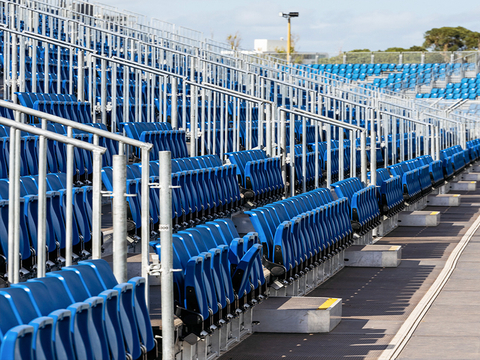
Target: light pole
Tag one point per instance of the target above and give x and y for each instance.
(289, 37)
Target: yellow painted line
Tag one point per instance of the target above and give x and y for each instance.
(327, 304)
(456, 195)
(394, 248)
(435, 212)
(473, 182)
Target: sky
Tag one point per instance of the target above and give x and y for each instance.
(323, 25)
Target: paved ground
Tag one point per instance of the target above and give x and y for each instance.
(376, 301)
(451, 327)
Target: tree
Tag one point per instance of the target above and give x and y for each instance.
(451, 39)
(234, 40)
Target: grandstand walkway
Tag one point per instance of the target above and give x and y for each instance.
(451, 327)
(377, 301)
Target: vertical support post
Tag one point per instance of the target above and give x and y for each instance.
(292, 155)
(283, 148)
(69, 201)
(97, 204)
(11, 208)
(268, 128)
(16, 206)
(119, 218)
(145, 157)
(373, 151)
(289, 40)
(363, 154)
(42, 204)
(80, 92)
(329, 155)
(304, 154)
(168, 331)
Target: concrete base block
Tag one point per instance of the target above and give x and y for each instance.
(298, 314)
(365, 239)
(373, 256)
(463, 185)
(444, 200)
(419, 218)
(387, 225)
(471, 177)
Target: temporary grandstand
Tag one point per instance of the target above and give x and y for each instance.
(161, 193)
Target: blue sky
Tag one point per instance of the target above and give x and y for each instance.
(324, 26)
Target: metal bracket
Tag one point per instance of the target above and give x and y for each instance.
(106, 193)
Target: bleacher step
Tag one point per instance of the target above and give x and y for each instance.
(463, 185)
(419, 218)
(373, 256)
(298, 315)
(444, 200)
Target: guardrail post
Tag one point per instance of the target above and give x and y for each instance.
(119, 218)
(42, 204)
(363, 154)
(11, 207)
(165, 182)
(97, 205)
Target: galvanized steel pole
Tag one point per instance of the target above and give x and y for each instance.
(165, 182)
(119, 218)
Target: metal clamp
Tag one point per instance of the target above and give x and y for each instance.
(106, 193)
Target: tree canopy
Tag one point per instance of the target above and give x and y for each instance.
(451, 39)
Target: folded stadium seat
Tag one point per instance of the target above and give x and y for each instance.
(423, 175)
(389, 193)
(412, 190)
(365, 214)
(267, 221)
(18, 343)
(131, 309)
(69, 333)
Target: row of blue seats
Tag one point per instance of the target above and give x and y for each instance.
(389, 192)
(203, 194)
(80, 312)
(196, 162)
(455, 158)
(56, 216)
(301, 232)
(166, 140)
(415, 181)
(310, 171)
(56, 157)
(221, 274)
(363, 204)
(65, 106)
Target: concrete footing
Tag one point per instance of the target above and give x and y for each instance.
(309, 280)
(419, 218)
(420, 204)
(365, 239)
(471, 177)
(387, 225)
(373, 256)
(463, 185)
(444, 200)
(298, 315)
(444, 189)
